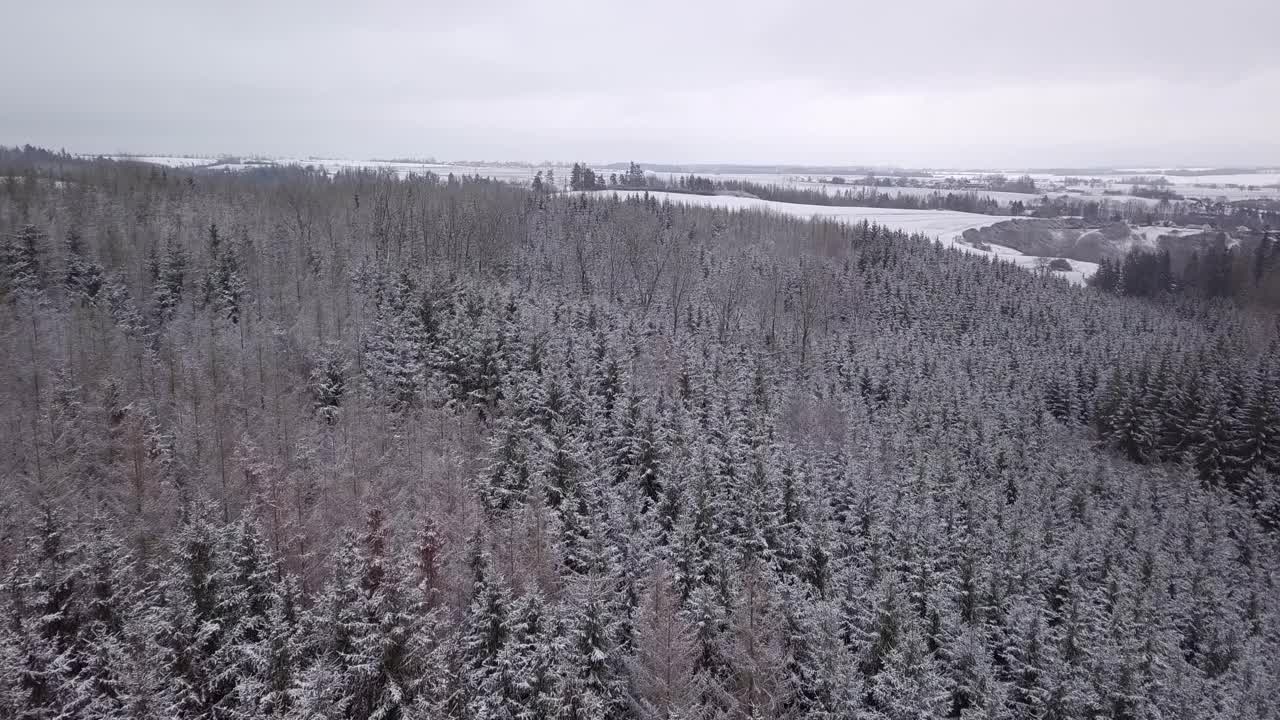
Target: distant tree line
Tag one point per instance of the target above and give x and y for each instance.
(863, 197)
(1154, 193)
(1171, 209)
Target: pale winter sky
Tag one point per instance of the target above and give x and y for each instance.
(988, 83)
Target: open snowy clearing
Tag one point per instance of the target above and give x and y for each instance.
(1079, 272)
(944, 226)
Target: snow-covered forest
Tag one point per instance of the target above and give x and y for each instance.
(291, 444)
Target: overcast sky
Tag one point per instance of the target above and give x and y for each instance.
(954, 83)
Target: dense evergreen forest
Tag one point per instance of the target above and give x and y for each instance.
(285, 444)
(1249, 276)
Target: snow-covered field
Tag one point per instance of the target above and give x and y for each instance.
(1229, 194)
(1001, 197)
(944, 226)
(1055, 186)
(510, 173)
(1213, 187)
(1094, 194)
(1261, 178)
(1079, 272)
(514, 173)
(166, 160)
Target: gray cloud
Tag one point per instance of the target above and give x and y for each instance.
(985, 82)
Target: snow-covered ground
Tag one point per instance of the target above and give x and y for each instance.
(513, 173)
(167, 160)
(1149, 235)
(235, 167)
(1055, 186)
(1001, 197)
(500, 172)
(944, 226)
(1079, 272)
(1213, 187)
(1230, 194)
(1096, 194)
(1261, 178)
